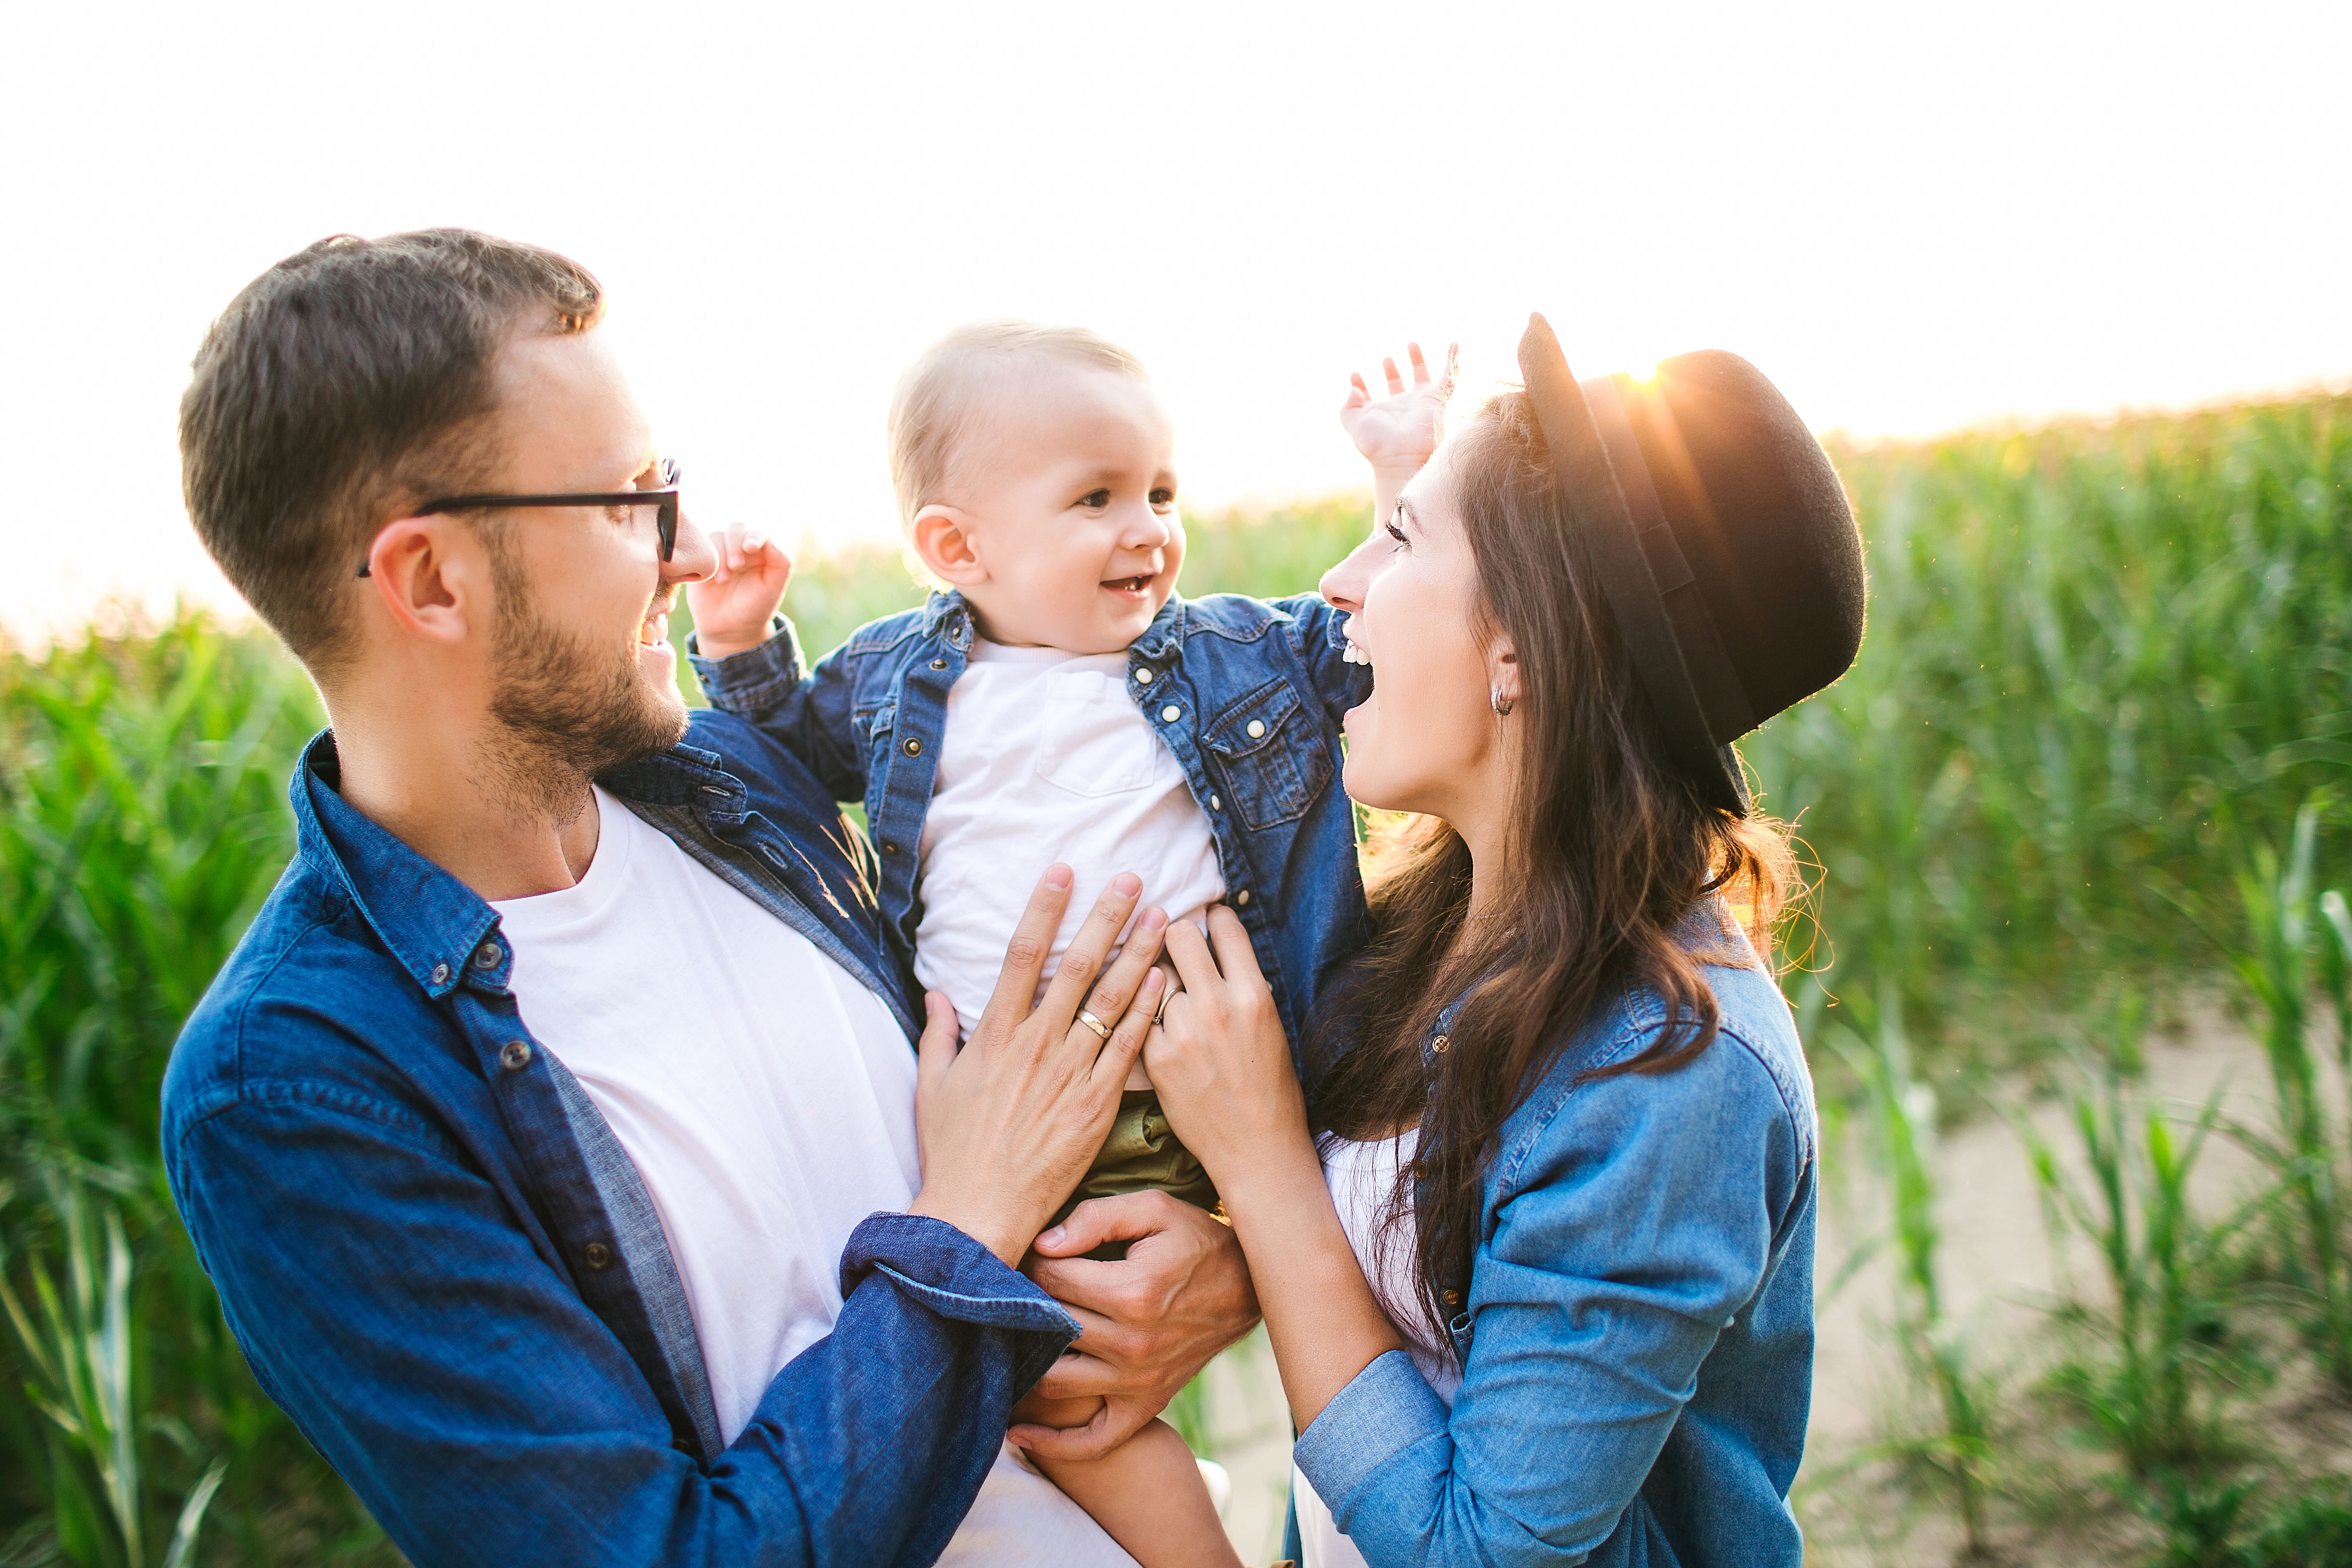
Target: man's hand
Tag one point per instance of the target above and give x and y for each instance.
(1398, 433)
(733, 607)
(1152, 1322)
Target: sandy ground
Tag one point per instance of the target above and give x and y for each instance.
(1997, 1270)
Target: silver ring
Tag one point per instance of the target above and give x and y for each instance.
(1096, 1025)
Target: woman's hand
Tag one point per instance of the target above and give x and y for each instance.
(1008, 1124)
(733, 607)
(1398, 433)
(1219, 1061)
(1222, 1070)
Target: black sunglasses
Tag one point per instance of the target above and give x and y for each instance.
(664, 499)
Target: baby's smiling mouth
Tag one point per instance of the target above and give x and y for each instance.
(1138, 584)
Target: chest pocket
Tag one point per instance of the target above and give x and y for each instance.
(1092, 742)
(1273, 761)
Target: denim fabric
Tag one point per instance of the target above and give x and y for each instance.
(440, 1262)
(869, 718)
(1639, 1337)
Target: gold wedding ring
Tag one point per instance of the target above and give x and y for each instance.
(1096, 1025)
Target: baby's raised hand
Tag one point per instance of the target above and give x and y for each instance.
(733, 606)
(1397, 434)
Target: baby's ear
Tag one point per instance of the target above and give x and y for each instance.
(944, 539)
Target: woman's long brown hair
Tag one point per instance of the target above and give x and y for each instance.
(1608, 850)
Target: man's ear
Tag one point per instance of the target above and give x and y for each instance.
(943, 538)
(431, 577)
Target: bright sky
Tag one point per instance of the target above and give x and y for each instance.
(1910, 216)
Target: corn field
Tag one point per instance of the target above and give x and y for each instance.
(2096, 751)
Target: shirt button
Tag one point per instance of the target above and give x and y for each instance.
(1142, 676)
(1452, 1297)
(598, 1256)
(440, 974)
(913, 746)
(1216, 804)
(1241, 899)
(515, 1056)
(1170, 715)
(1257, 728)
(939, 664)
(487, 956)
(888, 847)
(1438, 1044)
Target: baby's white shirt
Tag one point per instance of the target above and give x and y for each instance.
(1048, 757)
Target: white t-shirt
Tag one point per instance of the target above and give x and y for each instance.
(767, 1098)
(1362, 1176)
(1046, 757)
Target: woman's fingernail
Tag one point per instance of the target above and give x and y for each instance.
(1126, 884)
(1153, 982)
(1153, 918)
(1052, 1237)
(1057, 877)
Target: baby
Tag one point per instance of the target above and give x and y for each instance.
(1060, 701)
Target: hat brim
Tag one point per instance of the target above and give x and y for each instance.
(1618, 532)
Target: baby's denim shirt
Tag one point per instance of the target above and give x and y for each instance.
(1247, 693)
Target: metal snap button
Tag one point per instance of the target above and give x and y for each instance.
(888, 847)
(1452, 1297)
(487, 956)
(1170, 714)
(1216, 804)
(1257, 728)
(939, 664)
(913, 746)
(1142, 676)
(598, 1256)
(1242, 899)
(515, 1056)
(440, 974)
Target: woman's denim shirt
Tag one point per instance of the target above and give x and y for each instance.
(1247, 693)
(1638, 1343)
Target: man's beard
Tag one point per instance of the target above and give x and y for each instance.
(568, 707)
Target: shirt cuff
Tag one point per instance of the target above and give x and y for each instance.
(752, 682)
(941, 1268)
(1385, 1409)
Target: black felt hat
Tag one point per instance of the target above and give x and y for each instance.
(1718, 535)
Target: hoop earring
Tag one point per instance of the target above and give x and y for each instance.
(1500, 704)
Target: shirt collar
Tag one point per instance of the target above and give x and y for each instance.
(431, 922)
(946, 614)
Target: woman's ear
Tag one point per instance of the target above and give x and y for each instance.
(944, 539)
(1503, 672)
(426, 584)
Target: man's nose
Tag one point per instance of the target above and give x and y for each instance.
(691, 559)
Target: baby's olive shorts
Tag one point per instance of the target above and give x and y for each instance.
(1140, 1153)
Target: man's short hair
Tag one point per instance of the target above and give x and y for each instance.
(350, 379)
(934, 410)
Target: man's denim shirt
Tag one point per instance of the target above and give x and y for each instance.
(441, 1263)
(1247, 693)
(1640, 1316)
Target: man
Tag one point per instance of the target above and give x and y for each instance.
(535, 1134)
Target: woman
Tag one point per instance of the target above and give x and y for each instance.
(1535, 1245)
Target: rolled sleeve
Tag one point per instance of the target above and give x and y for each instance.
(1385, 1412)
(940, 1268)
(756, 682)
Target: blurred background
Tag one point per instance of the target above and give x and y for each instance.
(2060, 285)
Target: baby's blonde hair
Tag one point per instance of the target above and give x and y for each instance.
(933, 413)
